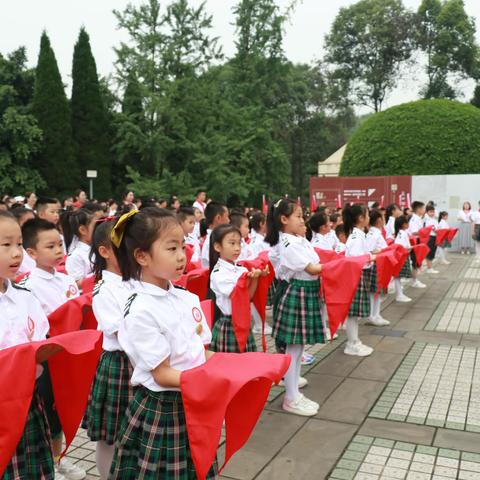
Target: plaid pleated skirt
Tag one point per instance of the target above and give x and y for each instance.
(406, 271)
(33, 458)
(271, 292)
(153, 442)
(360, 306)
(111, 393)
(371, 279)
(297, 318)
(224, 339)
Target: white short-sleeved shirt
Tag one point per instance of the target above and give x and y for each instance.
(357, 243)
(375, 240)
(475, 216)
(246, 251)
(415, 224)
(341, 247)
(322, 241)
(28, 263)
(464, 216)
(403, 238)
(23, 319)
(390, 227)
(332, 236)
(223, 279)
(109, 298)
(193, 241)
(50, 289)
(258, 244)
(160, 324)
(443, 224)
(78, 263)
(429, 221)
(200, 205)
(294, 255)
(206, 250)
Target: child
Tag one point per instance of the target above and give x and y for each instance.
(430, 220)
(414, 225)
(355, 219)
(335, 220)
(225, 249)
(297, 320)
(402, 238)
(47, 209)
(240, 221)
(215, 214)
(342, 238)
(23, 321)
(111, 390)
(393, 212)
(441, 249)
(258, 226)
(163, 333)
(23, 215)
(78, 226)
(319, 225)
(52, 289)
(186, 217)
(375, 244)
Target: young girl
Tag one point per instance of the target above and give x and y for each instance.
(258, 226)
(23, 321)
(402, 238)
(375, 244)
(393, 212)
(163, 333)
(342, 238)
(430, 220)
(77, 225)
(319, 224)
(355, 219)
(240, 221)
(225, 248)
(297, 319)
(111, 390)
(441, 249)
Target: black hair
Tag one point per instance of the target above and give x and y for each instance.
(314, 223)
(19, 212)
(374, 216)
(390, 209)
(203, 227)
(212, 210)
(94, 207)
(430, 208)
(442, 215)
(100, 238)
(399, 223)
(285, 207)
(237, 218)
(42, 202)
(351, 214)
(141, 230)
(77, 194)
(7, 214)
(405, 212)
(184, 212)
(334, 217)
(217, 236)
(339, 229)
(416, 205)
(126, 192)
(375, 206)
(198, 192)
(257, 220)
(172, 200)
(71, 221)
(31, 229)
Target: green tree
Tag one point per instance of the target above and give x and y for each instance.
(89, 119)
(51, 109)
(475, 101)
(367, 45)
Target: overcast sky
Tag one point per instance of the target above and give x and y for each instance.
(22, 21)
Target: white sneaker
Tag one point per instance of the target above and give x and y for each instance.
(432, 270)
(418, 284)
(258, 330)
(378, 321)
(299, 407)
(391, 288)
(69, 470)
(59, 476)
(468, 252)
(402, 298)
(309, 402)
(358, 349)
(445, 262)
(302, 382)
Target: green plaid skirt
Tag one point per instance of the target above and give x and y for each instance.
(371, 278)
(406, 271)
(224, 340)
(33, 458)
(360, 306)
(153, 442)
(111, 393)
(296, 313)
(271, 292)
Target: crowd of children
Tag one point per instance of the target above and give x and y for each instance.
(153, 330)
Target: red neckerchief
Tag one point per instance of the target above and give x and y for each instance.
(73, 315)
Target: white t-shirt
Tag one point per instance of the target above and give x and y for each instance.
(443, 224)
(403, 238)
(357, 243)
(390, 227)
(78, 262)
(246, 251)
(23, 319)
(206, 250)
(51, 289)
(160, 324)
(332, 236)
(341, 247)
(375, 240)
(464, 216)
(294, 255)
(322, 241)
(431, 221)
(258, 244)
(109, 298)
(200, 205)
(415, 224)
(223, 279)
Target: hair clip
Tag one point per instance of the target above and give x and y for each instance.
(278, 203)
(118, 230)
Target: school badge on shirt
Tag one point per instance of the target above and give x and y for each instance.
(72, 290)
(197, 316)
(30, 328)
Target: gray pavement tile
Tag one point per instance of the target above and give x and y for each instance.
(337, 364)
(394, 345)
(403, 432)
(378, 366)
(466, 441)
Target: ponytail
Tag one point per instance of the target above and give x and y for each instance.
(351, 214)
(71, 221)
(100, 238)
(315, 222)
(390, 209)
(283, 208)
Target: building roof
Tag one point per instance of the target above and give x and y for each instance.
(331, 166)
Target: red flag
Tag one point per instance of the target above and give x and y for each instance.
(409, 205)
(339, 201)
(452, 233)
(386, 261)
(401, 254)
(74, 315)
(17, 380)
(421, 251)
(442, 235)
(382, 201)
(424, 234)
(264, 205)
(326, 256)
(195, 281)
(241, 313)
(400, 200)
(228, 387)
(313, 203)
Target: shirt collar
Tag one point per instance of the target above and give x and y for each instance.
(9, 291)
(39, 272)
(83, 246)
(111, 277)
(150, 289)
(358, 230)
(229, 266)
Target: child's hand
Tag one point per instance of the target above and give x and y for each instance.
(254, 273)
(265, 272)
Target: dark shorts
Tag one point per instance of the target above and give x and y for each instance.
(45, 390)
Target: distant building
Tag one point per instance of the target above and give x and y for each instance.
(331, 166)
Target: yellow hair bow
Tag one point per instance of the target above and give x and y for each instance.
(119, 229)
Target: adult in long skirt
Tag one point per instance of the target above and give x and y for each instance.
(465, 229)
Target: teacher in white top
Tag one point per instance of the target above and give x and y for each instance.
(465, 229)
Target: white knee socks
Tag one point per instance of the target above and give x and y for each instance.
(104, 457)
(257, 319)
(398, 287)
(293, 372)
(352, 330)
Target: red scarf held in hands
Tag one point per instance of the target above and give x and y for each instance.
(196, 281)
(424, 234)
(73, 315)
(421, 251)
(228, 387)
(401, 254)
(241, 313)
(442, 236)
(326, 256)
(386, 261)
(88, 284)
(72, 367)
(452, 233)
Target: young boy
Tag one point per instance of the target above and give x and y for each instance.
(186, 217)
(414, 225)
(47, 209)
(23, 321)
(431, 220)
(43, 243)
(215, 214)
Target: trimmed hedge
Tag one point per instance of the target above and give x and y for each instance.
(426, 137)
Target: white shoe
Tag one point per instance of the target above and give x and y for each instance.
(59, 476)
(309, 402)
(302, 382)
(391, 288)
(418, 284)
(299, 407)
(69, 470)
(358, 349)
(468, 252)
(462, 252)
(445, 262)
(432, 270)
(402, 298)
(378, 322)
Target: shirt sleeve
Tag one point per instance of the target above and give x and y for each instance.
(222, 282)
(39, 318)
(296, 257)
(107, 311)
(356, 248)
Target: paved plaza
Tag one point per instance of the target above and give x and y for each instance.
(409, 411)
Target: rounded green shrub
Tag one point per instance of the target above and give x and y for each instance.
(426, 137)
